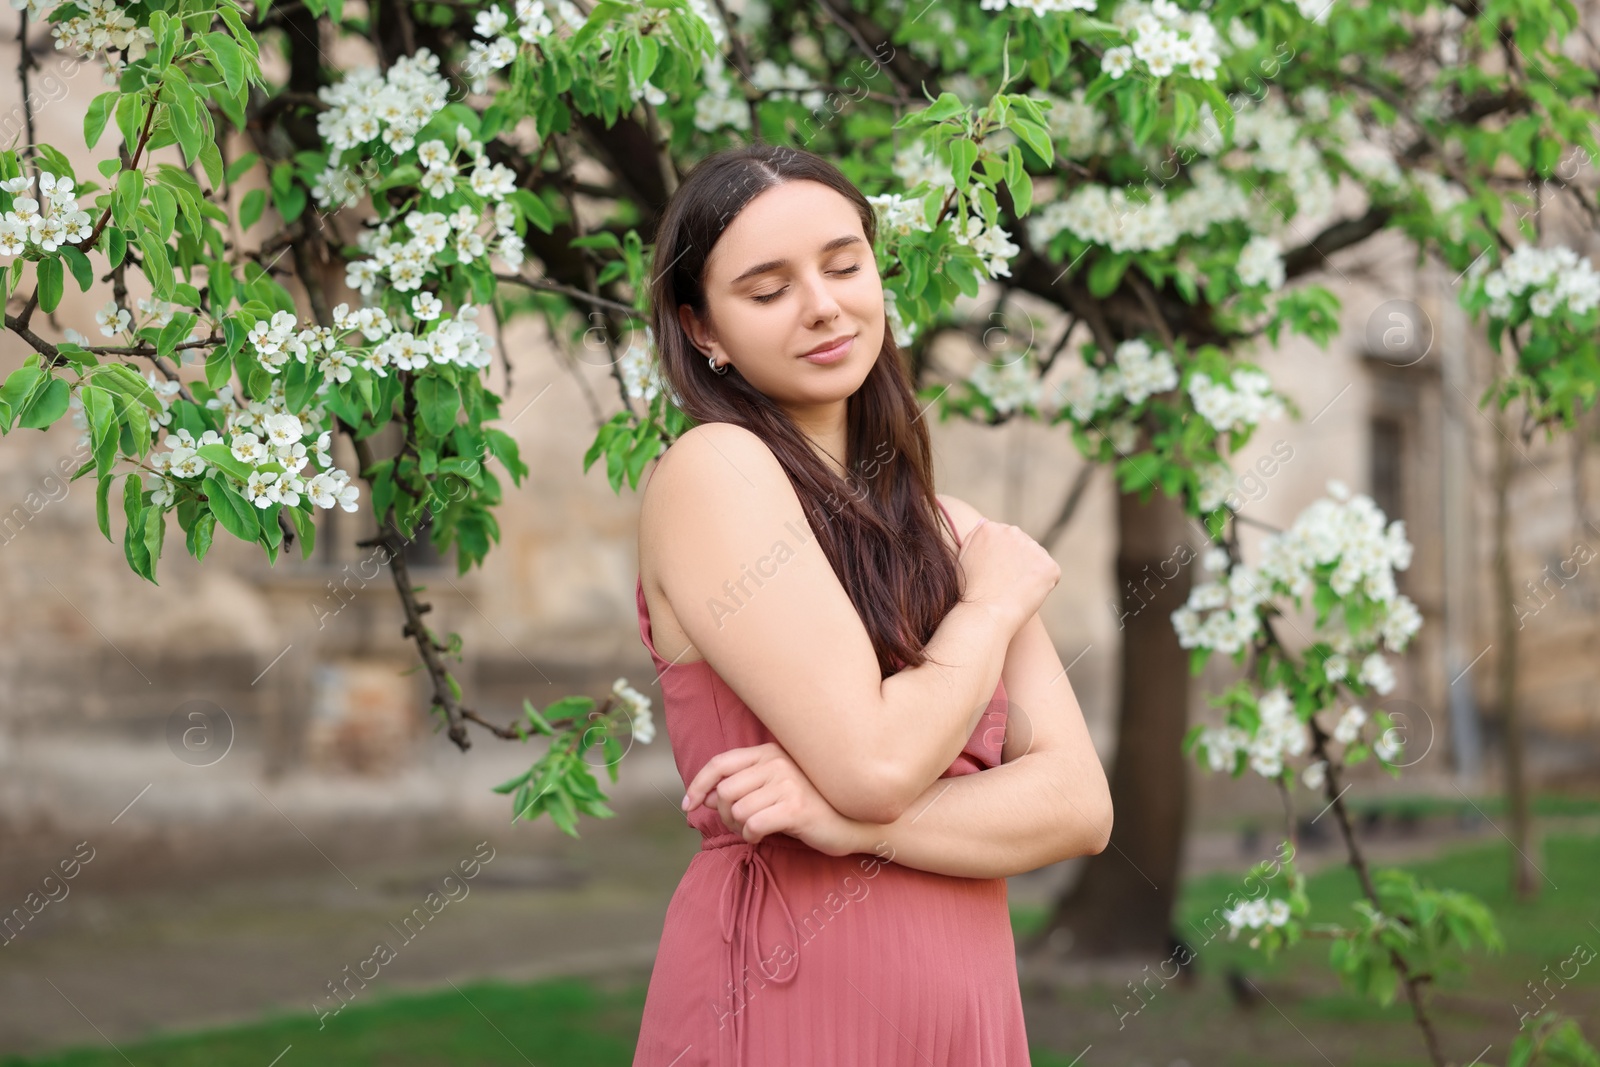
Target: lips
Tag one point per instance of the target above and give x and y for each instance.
(835, 343)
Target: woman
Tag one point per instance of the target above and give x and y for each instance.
(834, 668)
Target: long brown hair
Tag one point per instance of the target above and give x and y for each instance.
(879, 530)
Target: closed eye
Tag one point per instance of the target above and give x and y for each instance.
(766, 298)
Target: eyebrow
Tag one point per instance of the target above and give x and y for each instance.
(775, 264)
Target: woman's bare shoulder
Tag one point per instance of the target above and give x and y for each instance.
(712, 452)
(962, 513)
(710, 469)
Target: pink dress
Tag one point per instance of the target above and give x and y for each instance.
(777, 955)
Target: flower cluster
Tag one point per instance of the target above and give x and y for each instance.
(1041, 7)
(1280, 734)
(1314, 10)
(1255, 914)
(641, 372)
(270, 438)
(1009, 386)
(104, 26)
(1137, 373)
(721, 104)
(1080, 127)
(451, 340)
(637, 706)
(898, 214)
(262, 434)
(1261, 263)
(1341, 541)
(916, 164)
(1546, 277)
(1107, 215)
(406, 262)
(789, 82)
(1281, 147)
(1243, 401)
(992, 243)
(1443, 197)
(393, 105)
(60, 221)
(534, 25)
(114, 319)
(904, 333)
(1165, 38)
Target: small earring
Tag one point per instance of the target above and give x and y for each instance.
(712, 362)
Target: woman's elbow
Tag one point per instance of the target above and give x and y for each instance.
(872, 795)
(1099, 829)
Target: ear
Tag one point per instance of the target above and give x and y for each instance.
(699, 336)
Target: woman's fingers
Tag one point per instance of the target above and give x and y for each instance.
(753, 808)
(718, 767)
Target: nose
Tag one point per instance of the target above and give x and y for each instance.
(820, 304)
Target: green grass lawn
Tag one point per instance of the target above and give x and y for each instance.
(581, 1024)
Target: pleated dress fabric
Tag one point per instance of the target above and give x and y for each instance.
(777, 955)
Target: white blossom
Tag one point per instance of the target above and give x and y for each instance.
(112, 319)
(1246, 400)
(1010, 386)
(1348, 728)
(1261, 263)
(637, 707)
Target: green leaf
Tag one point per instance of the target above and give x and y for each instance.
(18, 388)
(155, 534)
(227, 58)
(536, 719)
(82, 269)
(101, 410)
(174, 332)
(134, 545)
(963, 153)
(94, 121)
(948, 105)
(305, 528)
(50, 284)
(102, 504)
(166, 207)
(1107, 272)
(157, 264)
(1036, 137)
(181, 109)
(240, 167)
(130, 191)
(116, 245)
(236, 514)
(48, 405)
(252, 207)
(438, 402)
(222, 457)
(210, 157)
(513, 783)
(200, 533)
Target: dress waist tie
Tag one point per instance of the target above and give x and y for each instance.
(744, 891)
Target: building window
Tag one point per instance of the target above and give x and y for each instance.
(1388, 440)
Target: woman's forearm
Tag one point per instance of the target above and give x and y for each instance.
(930, 711)
(994, 823)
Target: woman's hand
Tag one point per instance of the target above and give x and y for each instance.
(759, 791)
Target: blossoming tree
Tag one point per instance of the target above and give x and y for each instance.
(1160, 172)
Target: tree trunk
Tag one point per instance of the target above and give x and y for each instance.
(1524, 878)
(1123, 903)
